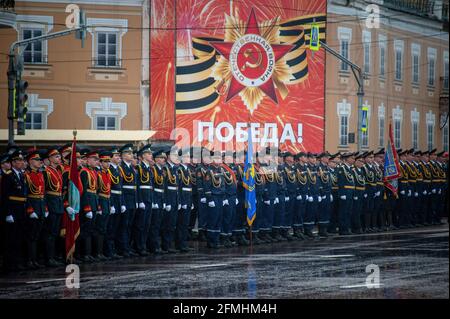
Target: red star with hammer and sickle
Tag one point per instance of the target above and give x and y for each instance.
(280, 50)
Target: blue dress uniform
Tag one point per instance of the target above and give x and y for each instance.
(36, 209)
(419, 189)
(142, 221)
(413, 176)
(290, 172)
(369, 196)
(284, 201)
(129, 193)
(302, 197)
(89, 206)
(314, 198)
(380, 213)
(214, 185)
(332, 226)
(442, 172)
(270, 199)
(169, 218)
(186, 201)
(15, 195)
(240, 215)
(427, 187)
(54, 197)
(113, 241)
(229, 208)
(346, 184)
(324, 212)
(159, 186)
(358, 198)
(436, 191)
(401, 218)
(202, 209)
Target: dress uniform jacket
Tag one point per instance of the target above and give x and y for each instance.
(144, 184)
(185, 186)
(159, 185)
(129, 185)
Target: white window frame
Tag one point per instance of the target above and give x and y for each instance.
(415, 123)
(431, 124)
(344, 110)
(431, 73)
(35, 22)
(106, 107)
(399, 46)
(382, 47)
(381, 128)
(415, 52)
(106, 116)
(38, 105)
(344, 34)
(100, 25)
(30, 115)
(397, 115)
(367, 40)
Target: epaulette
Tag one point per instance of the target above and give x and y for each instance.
(8, 172)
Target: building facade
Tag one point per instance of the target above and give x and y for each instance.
(101, 86)
(405, 58)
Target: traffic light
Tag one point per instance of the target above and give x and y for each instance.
(21, 105)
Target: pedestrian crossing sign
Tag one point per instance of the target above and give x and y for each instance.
(365, 120)
(314, 39)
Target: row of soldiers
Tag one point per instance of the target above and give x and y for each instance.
(148, 201)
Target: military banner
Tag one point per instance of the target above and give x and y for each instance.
(239, 65)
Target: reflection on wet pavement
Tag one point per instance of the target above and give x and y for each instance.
(413, 263)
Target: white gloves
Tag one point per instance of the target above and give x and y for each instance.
(344, 197)
(89, 215)
(276, 201)
(365, 195)
(377, 194)
(137, 205)
(184, 206)
(70, 210)
(433, 191)
(299, 197)
(46, 214)
(141, 205)
(311, 199)
(324, 197)
(355, 197)
(402, 192)
(287, 198)
(319, 198)
(112, 210)
(440, 191)
(123, 209)
(237, 201)
(99, 212)
(179, 206)
(34, 216)
(9, 219)
(212, 204)
(331, 198)
(424, 192)
(409, 193)
(155, 206)
(225, 202)
(192, 207)
(168, 208)
(267, 202)
(416, 194)
(203, 200)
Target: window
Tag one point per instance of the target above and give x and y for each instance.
(107, 50)
(431, 66)
(366, 40)
(445, 84)
(33, 52)
(382, 60)
(415, 135)
(106, 123)
(381, 124)
(445, 137)
(398, 45)
(345, 36)
(397, 133)
(431, 121)
(415, 51)
(343, 135)
(33, 121)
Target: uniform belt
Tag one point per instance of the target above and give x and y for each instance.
(92, 191)
(360, 188)
(145, 187)
(349, 187)
(128, 187)
(412, 181)
(172, 188)
(104, 195)
(380, 183)
(54, 193)
(404, 182)
(17, 198)
(116, 192)
(372, 184)
(426, 181)
(187, 189)
(159, 190)
(335, 188)
(35, 196)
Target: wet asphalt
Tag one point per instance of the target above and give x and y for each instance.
(411, 263)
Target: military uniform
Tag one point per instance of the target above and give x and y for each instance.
(260, 189)
(283, 204)
(325, 206)
(186, 202)
(290, 172)
(229, 208)
(314, 198)
(240, 215)
(358, 198)
(346, 184)
(270, 200)
(159, 197)
(214, 185)
(169, 218)
(332, 227)
(301, 199)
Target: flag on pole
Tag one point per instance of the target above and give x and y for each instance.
(249, 183)
(71, 223)
(391, 165)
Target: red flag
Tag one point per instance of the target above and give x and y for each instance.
(71, 223)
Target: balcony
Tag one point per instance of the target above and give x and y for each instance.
(7, 14)
(436, 9)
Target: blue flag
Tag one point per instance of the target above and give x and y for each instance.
(249, 184)
(391, 165)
